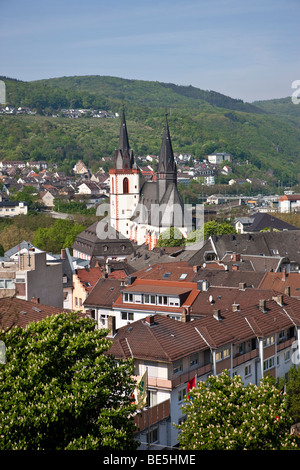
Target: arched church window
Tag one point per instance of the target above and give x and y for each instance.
(125, 186)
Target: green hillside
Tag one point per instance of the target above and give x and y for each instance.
(263, 137)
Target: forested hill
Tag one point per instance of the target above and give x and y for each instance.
(110, 92)
(263, 137)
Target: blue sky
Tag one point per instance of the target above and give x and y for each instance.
(244, 49)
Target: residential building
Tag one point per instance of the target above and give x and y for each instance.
(83, 282)
(282, 244)
(260, 221)
(289, 203)
(13, 208)
(217, 158)
(32, 277)
(251, 342)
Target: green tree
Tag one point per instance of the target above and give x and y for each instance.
(217, 228)
(170, 237)
(28, 195)
(209, 228)
(293, 393)
(60, 235)
(223, 414)
(60, 389)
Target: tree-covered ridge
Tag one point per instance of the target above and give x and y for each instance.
(264, 144)
(109, 92)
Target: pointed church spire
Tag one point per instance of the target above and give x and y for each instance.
(166, 169)
(123, 139)
(166, 161)
(124, 156)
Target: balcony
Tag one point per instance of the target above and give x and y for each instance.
(150, 416)
(241, 358)
(199, 371)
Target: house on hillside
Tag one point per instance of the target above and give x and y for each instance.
(289, 203)
(260, 221)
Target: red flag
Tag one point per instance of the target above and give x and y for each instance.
(191, 384)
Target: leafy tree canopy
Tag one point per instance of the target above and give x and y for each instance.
(170, 237)
(61, 390)
(223, 414)
(60, 235)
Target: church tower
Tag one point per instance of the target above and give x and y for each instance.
(167, 168)
(124, 184)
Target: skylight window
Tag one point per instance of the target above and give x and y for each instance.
(183, 276)
(166, 275)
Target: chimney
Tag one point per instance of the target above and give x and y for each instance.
(217, 315)
(235, 267)
(195, 268)
(235, 307)
(185, 315)
(111, 325)
(236, 257)
(150, 320)
(284, 276)
(63, 253)
(35, 300)
(242, 285)
(287, 291)
(262, 305)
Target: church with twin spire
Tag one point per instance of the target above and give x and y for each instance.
(141, 210)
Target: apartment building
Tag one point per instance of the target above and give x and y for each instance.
(32, 277)
(251, 342)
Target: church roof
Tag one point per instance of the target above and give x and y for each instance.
(166, 162)
(124, 155)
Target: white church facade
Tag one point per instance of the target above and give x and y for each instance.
(141, 210)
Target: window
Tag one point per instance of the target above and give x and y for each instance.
(125, 186)
(127, 315)
(6, 284)
(269, 363)
(128, 297)
(222, 354)
(269, 341)
(76, 301)
(183, 276)
(194, 360)
(152, 436)
(146, 299)
(177, 367)
(166, 275)
(248, 370)
(162, 300)
(287, 355)
(181, 394)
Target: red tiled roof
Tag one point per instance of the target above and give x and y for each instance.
(20, 312)
(89, 277)
(159, 287)
(169, 340)
(280, 281)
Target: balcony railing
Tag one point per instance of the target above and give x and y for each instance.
(150, 416)
(241, 358)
